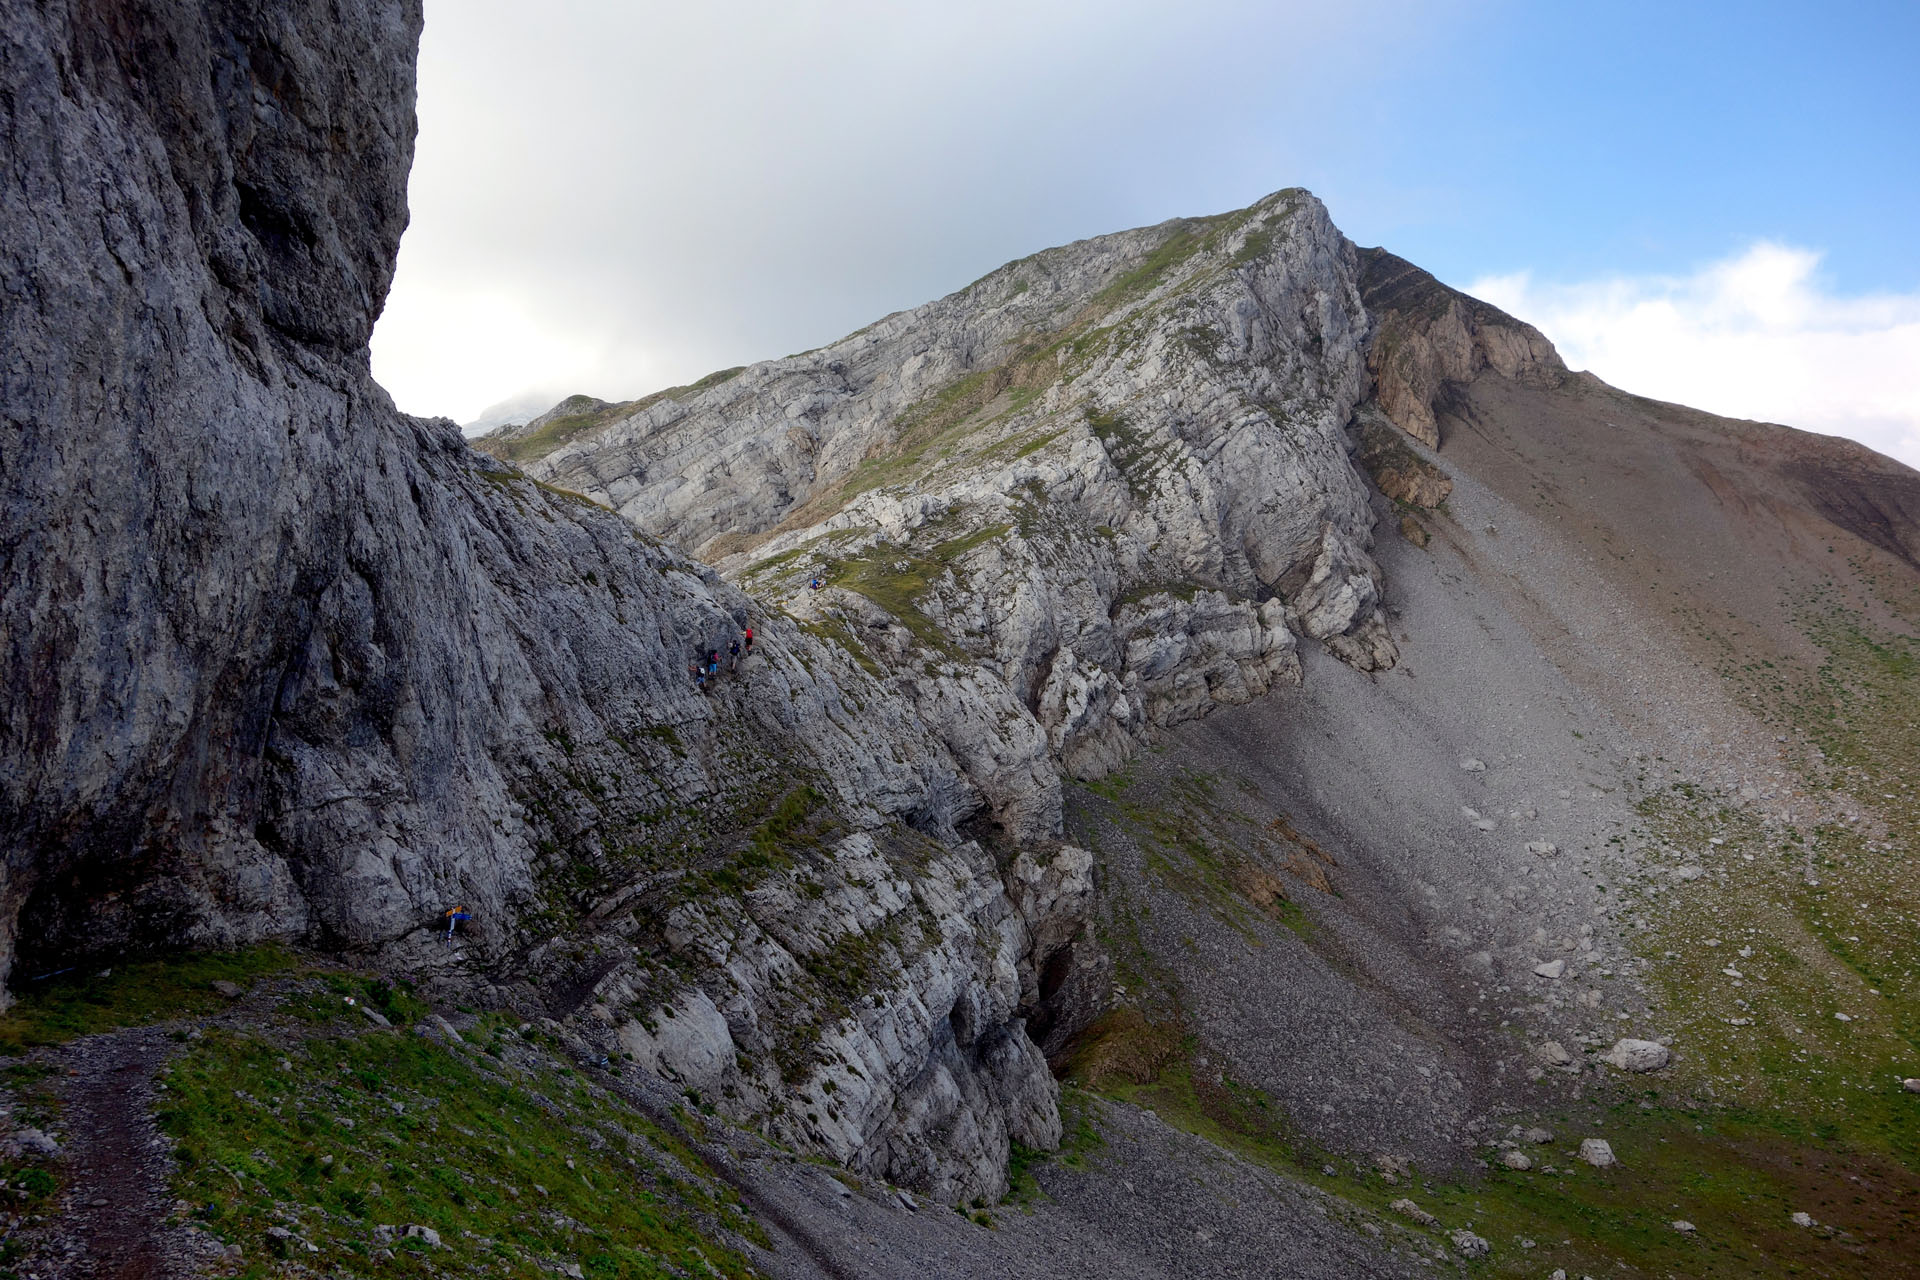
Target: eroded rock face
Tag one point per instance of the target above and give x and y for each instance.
(926, 1072)
(282, 661)
(1431, 336)
(1101, 489)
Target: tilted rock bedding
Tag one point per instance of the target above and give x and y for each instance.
(1102, 489)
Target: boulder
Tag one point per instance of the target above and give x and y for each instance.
(1637, 1055)
(1597, 1152)
(1469, 1244)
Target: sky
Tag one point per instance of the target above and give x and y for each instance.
(1709, 203)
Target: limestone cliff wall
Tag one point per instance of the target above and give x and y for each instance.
(283, 662)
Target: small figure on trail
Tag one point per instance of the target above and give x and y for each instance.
(453, 918)
(733, 653)
(699, 678)
(816, 584)
(713, 662)
(749, 639)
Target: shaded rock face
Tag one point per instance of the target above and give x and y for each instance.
(284, 662)
(203, 208)
(1431, 337)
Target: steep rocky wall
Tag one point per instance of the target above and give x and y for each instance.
(283, 662)
(203, 205)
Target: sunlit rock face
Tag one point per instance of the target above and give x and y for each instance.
(1102, 489)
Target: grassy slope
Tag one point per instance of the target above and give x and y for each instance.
(315, 1127)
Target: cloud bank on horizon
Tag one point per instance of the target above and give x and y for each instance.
(1755, 335)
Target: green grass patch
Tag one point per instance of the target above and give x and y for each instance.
(130, 994)
(896, 579)
(518, 1170)
(1187, 240)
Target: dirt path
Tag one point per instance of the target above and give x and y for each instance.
(110, 1222)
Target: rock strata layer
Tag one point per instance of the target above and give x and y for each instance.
(1103, 489)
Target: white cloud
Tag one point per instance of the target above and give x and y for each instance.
(457, 351)
(1756, 335)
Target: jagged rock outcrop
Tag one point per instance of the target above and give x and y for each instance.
(283, 662)
(928, 1071)
(1102, 488)
(1431, 336)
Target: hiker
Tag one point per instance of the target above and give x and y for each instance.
(733, 653)
(816, 584)
(453, 918)
(749, 640)
(713, 662)
(699, 678)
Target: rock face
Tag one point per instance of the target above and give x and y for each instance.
(281, 661)
(1102, 489)
(1431, 337)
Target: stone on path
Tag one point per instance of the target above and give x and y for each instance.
(1638, 1055)
(1544, 848)
(1554, 1054)
(1540, 1137)
(1802, 1219)
(1911, 1084)
(231, 990)
(1684, 1227)
(1597, 1152)
(1551, 969)
(1516, 1160)
(1472, 765)
(1408, 1209)
(425, 1234)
